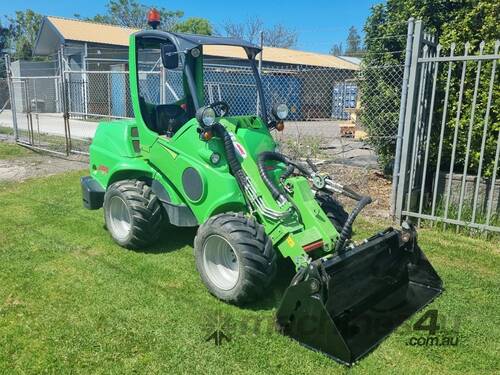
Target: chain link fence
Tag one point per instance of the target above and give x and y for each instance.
(335, 115)
(4, 95)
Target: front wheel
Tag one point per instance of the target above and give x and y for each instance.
(235, 258)
(333, 210)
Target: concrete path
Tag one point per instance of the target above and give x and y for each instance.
(340, 150)
(50, 123)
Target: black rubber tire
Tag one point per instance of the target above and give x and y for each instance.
(144, 209)
(254, 251)
(333, 209)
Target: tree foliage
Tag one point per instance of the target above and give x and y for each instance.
(385, 42)
(275, 36)
(130, 13)
(23, 30)
(194, 25)
(337, 49)
(4, 41)
(353, 43)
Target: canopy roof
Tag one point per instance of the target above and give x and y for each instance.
(188, 41)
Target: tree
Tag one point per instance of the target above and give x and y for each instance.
(194, 25)
(353, 42)
(4, 43)
(130, 13)
(276, 36)
(280, 36)
(459, 22)
(336, 50)
(248, 30)
(24, 28)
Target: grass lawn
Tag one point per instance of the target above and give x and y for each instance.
(11, 151)
(71, 301)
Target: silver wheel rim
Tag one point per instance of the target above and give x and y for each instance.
(220, 262)
(119, 218)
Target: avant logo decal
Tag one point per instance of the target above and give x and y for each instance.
(238, 147)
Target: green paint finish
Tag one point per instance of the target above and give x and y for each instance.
(165, 159)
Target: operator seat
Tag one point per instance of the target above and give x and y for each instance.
(170, 118)
(164, 119)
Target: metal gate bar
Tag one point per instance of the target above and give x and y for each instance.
(415, 196)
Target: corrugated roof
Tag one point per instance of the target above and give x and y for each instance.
(86, 31)
(351, 59)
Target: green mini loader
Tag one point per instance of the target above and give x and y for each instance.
(190, 163)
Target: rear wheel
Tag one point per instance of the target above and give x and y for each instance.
(235, 258)
(333, 210)
(132, 213)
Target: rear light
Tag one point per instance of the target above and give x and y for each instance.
(313, 246)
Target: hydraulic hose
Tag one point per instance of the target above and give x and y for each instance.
(309, 170)
(347, 228)
(266, 156)
(291, 165)
(234, 163)
(289, 171)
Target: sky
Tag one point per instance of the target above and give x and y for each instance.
(319, 23)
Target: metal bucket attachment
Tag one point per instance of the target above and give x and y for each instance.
(346, 305)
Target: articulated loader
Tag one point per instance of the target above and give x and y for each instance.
(190, 163)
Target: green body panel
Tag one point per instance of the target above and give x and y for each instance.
(113, 157)
(112, 152)
(185, 149)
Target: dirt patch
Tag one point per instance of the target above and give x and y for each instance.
(366, 181)
(322, 140)
(349, 162)
(36, 165)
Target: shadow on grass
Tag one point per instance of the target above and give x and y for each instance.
(176, 238)
(272, 298)
(171, 239)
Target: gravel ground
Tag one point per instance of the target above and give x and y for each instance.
(367, 182)
(34, 164)
(322, 140)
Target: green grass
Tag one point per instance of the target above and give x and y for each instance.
(71, 301)
(49, 142)
(12, 151)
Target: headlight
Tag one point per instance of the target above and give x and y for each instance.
(195, 52)
(280, 111)
(205, 116)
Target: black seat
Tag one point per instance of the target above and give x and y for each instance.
(164, 119)
(170, 118)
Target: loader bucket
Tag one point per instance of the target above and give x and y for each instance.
(344, 306)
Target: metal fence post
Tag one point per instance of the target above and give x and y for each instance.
(402, 107)
(261, 36)
(11, 96)
(163, 85)
(64, 101)
(408, 117)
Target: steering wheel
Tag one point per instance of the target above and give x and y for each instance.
(221, 108)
